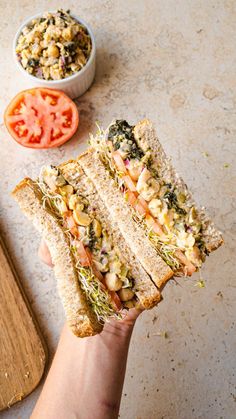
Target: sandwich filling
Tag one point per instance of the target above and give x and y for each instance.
(172, 224)
(103, 276)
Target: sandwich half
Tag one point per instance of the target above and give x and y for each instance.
(150, 192)
(98, 275)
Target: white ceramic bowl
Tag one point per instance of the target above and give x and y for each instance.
(75, 85)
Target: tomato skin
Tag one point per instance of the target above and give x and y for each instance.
(154, 224)
(115, 300)
(140, 209)
(143, 203)
(129, 183)
(190, 267)
(84, 256)
(98, 274)
(41, 124)
(131, 197)
(119, 162)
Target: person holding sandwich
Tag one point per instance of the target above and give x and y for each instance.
(87, 374)
(118, 223)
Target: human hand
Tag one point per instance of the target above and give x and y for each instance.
(96, 363)
(115, 327)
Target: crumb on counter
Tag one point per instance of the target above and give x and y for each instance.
(200, 284)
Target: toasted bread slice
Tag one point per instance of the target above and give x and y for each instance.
(121, 214)
(80, 317)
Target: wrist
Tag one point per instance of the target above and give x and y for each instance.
(115, 333)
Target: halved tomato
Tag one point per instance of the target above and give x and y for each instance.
(41, 118)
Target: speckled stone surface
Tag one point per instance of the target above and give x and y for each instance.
(174, 62)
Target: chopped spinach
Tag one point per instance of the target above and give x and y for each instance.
(122, 128)
(149, 166)
(120, 131)
(154, 172)
(200, 243)
(172, 201)
(62, 14)
(116, 144)
(91, 237)
(52, 20)
(33, 62)
(70, 47)
(136, 152)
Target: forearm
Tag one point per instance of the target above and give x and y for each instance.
(86, 377)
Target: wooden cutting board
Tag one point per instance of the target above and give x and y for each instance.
(23, 353)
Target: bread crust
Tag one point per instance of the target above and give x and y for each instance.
(80, 317)
(146, 138)
(121, 214)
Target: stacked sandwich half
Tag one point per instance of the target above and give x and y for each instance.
(119, 223)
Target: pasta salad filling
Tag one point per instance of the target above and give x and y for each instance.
(172, 225)
(54, 46)
(104, 277)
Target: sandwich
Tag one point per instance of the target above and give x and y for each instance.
(131, 160)
(119, 223)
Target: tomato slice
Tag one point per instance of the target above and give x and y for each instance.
(154, 225)
(119, 162)
(115, 300)
(143, 203)
(182, 258)
(70, 221)
(140, 209)
(86, 259)
(41, 118)
(84, 256)
(129, 183)
(131, 197)
(98, 274)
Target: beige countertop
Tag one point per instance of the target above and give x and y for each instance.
(174, 62)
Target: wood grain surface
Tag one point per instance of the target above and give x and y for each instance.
(23, 352)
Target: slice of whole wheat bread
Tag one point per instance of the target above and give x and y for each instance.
(134, 235)
(80, 317)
